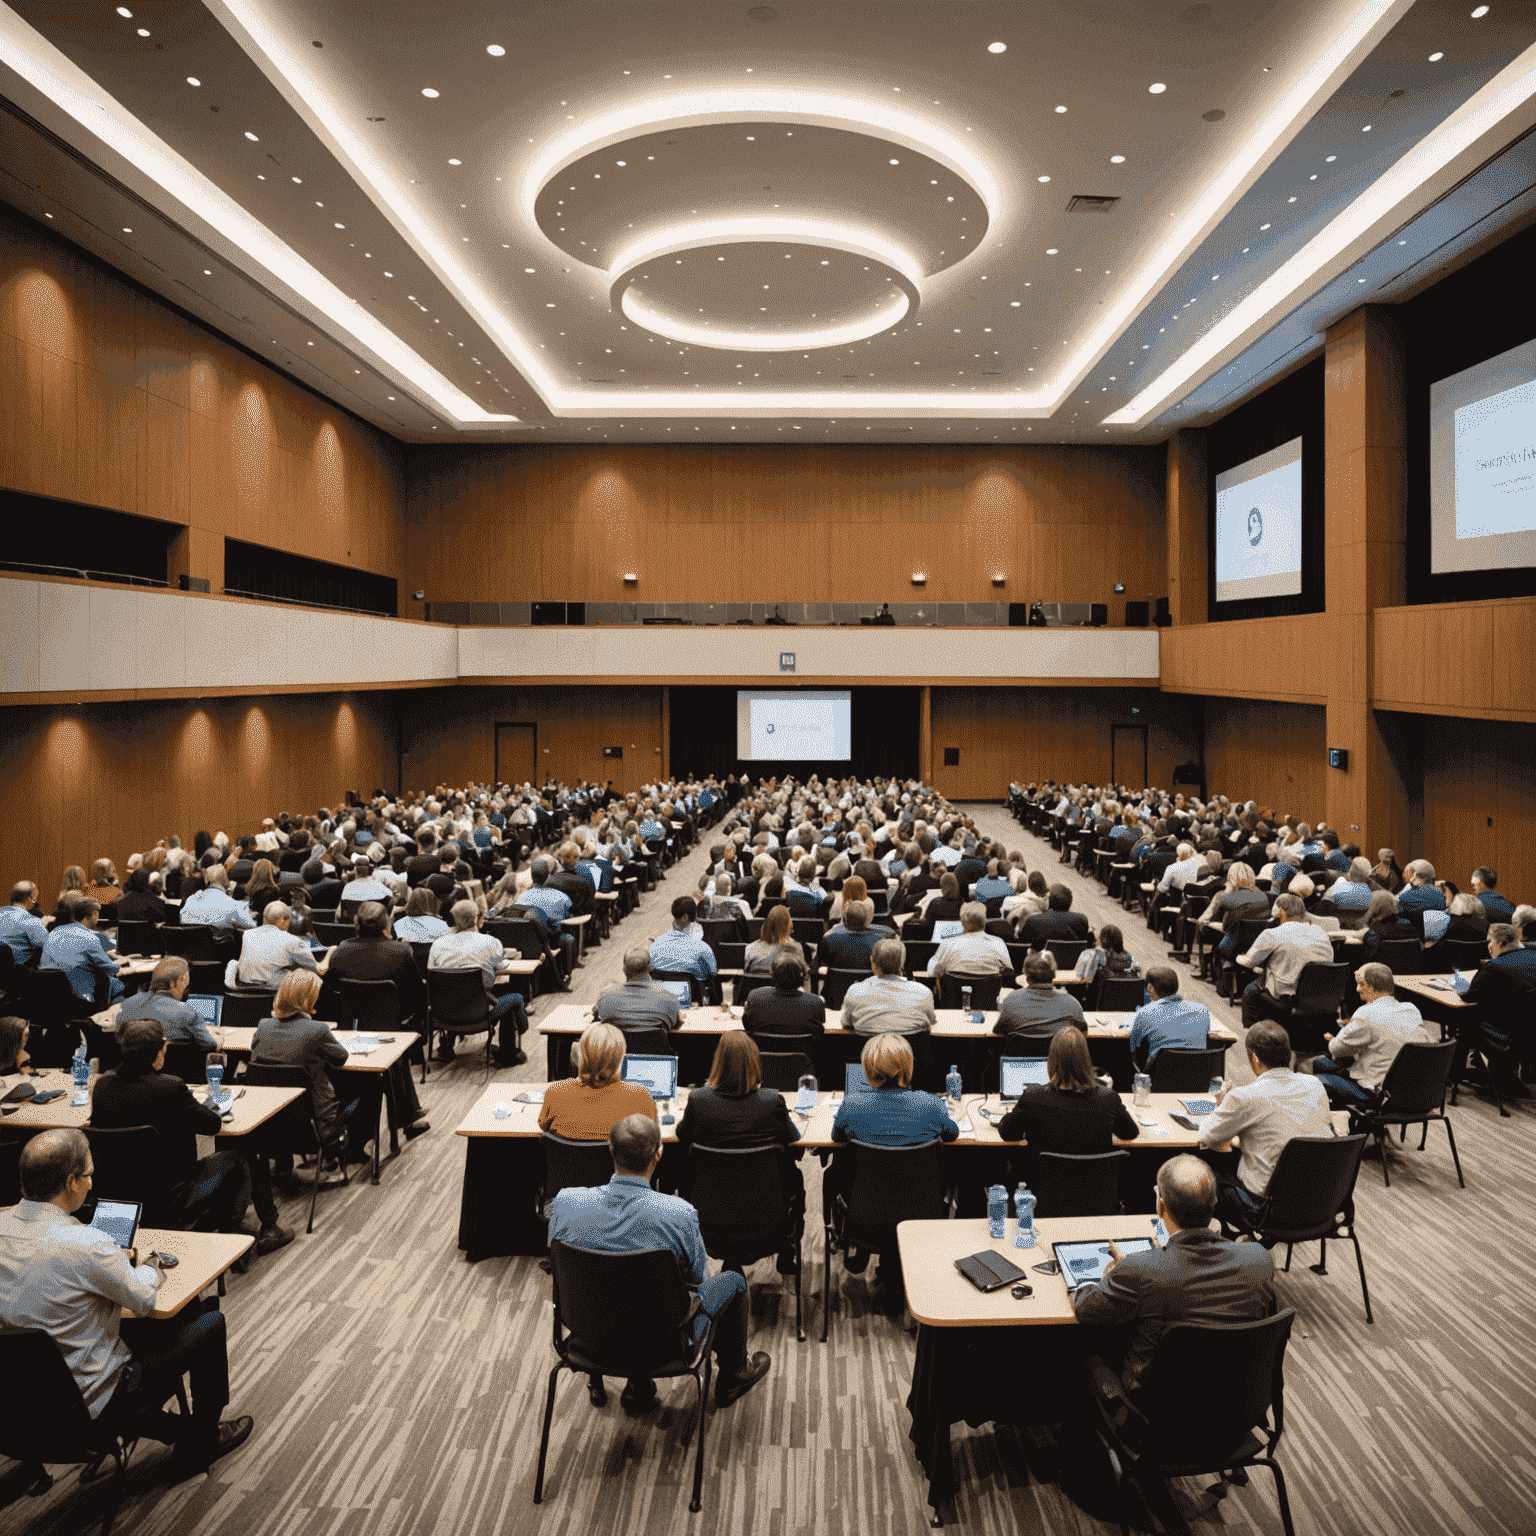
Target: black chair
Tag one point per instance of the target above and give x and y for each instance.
(458, 1004)
(335, 933)
(1117, 994)
(1311, 1197)
(294, 1129)
(523, 936)
(917, 928)
(421, 954)
(572, 1164)
(1078, 1183)
(889, 1185)
(744, 1213)
(1458, 954)
(718, 931)
(246, 1007)
(191, 943)
(49, 1424)
(649, 1336)
(782, 1070)
(187, 1060)
(10, 1173)
(1176, 1069)
(1242, 933)
(1403, 957)
(984, 989)
(1412, 1094)
(139, 938)
(920, 953)
(649, 1042)
(1185, 1423)
(743, 986)
(206, 978)
(1067, 952)
(1315, 1006)
(835, 984)
(128, 1167)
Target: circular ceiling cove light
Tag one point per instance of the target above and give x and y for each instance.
(1158, 88)
(634, 305)
(997, 47)
(495, 50)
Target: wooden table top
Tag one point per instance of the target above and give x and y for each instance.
(572, 1018)
(238, 1042)
(252, 1107)
(1426, 987)
(204, 1257)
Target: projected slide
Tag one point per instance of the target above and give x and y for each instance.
(776, 725)
(1482, 465)
(1258, 526)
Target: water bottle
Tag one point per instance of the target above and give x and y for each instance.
(952, 1083)
(1024, 1207)
(213, 1066)
(965, 1001)
(1215, 1089)
(80, 1069)
(806, 1101)
(997, 1211)
(1143, 1087)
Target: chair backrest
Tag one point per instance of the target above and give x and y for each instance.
(732, 956)
(207, 977)
(984, 990)
(1245, 931)
(920, 953)
(369, 1005)
(519, 934)
(1459, 954)
(191, 943)
(739, 1195)
(10, 1174)
(292, 1128)
(1177, 1069)
(1403, 957)
(649, 1042)
(891, 1185)
(916, 929)
(1154, 866)
(49, 1422)
(1067, 952)
(741, 986)
(835, 984)
(568, 1163)
(999, 927)
(1313, 1181)
(782, 1070)
(139, 938)
(719, 930)
(421, 953)
(1320, 988)
(807, 932)
(639, 1339)
(1201, 1418)
(1078, 1183)
(1415, 1082)
(128, 1167)
(458, 997)
(335, 933)
(1118, 994)
(245, 1009)
(187, 1060)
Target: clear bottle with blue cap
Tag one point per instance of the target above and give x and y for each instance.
(1024, 1211)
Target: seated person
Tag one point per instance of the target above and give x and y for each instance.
(1074, 1112)
(421, 923)
(139, 904)
(1109, 955)
(586, 1107)
(73, 946)
(638, 1002)
(73, 1282)
(778, 929)
(1200, 1277)
(1058, 921)
(206, 902)
(1465, 922)
(944, 905)
(1363, 1051)
(1167, 1020)
(802, 895)
(1384, 923)
(168, 986)
(467, 949)
(678, 950)
(735, 1110)
(365, 884)
(723, 906)
(269, 952)
(888, 1001)
(1282, 953)
(13, 1052)
(548, 905)
(1497, 907)
(847, 947)
(627, 1216)
(1038, 1009)
(1035, 897)
(1262, 1115)
(994, 885)
(973, 951)
(21, 928)
(1421, 894)
(293, 1036)
(1353, 892)
(785, 1008)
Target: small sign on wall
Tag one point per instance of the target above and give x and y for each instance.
(613, 751)
(786, 661)
(951, 757)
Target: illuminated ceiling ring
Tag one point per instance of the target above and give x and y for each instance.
(900, 267)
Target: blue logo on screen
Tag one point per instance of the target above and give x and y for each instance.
(1255, 526)
(769, 728)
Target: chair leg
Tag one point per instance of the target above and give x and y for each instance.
(549, 1413)
(697, 1501)
(1365, 1290)
(1285, 1503)
(314, 1192)
(1321, 1267)
(1381, 1147)
(826, 1285)
(799, 1314)
(1454, 1158)
(1286, 1268)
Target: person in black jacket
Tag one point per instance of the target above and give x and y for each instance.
(1074, 1112)
(734, 1110)
(323, 890)
(567, 879)
(1058, 921)
(784, 1009)
(138, 904)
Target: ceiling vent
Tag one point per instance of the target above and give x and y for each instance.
(1084, 204)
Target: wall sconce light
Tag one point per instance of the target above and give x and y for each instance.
(630, 578)
(1119, 589)
(918, 579)
(419, 595)
(999, 581)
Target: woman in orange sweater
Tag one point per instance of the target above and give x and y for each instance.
(586, 1107)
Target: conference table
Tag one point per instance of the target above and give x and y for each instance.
(204, 1257)
(253, 1107)
(956, 1038)
(504, 1162)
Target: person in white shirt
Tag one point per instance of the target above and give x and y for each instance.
(973, 951)
(269, 952)
(1263, 1116)
(73, 1283)
(1187, 865)
(365, 884)
(1363, 1051)
(467, 949)
(1282, 954)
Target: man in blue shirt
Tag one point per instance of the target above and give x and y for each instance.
(677, 949)
(73, 948)
(627, 1216)
(21, 929)
(164, 1002)
(1484, 883)
(211, 906)
(551, 907)
(1421, 894)
(1168, 1019)
(994, 883)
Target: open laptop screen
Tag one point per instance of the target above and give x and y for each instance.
(1021, 1072)
(658, 1074)
(208, 1008)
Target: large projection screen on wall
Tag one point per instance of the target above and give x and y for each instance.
(1258, 526)
(793, 725)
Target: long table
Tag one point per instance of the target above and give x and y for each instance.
(252, 1107)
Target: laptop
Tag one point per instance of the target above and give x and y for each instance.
(658, 1074)
(680, 990)
(1021, 1072)
(207, 1006)
(1084, 1263)
(855, 1080)
(119, 1219)
(947, 928)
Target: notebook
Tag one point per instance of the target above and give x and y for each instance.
(1021, 1072)
(988, 1270)
(656, 1073)
(208, 1007)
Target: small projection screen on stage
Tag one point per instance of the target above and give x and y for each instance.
(1482, 465)
(776, 725)
(1258, 526)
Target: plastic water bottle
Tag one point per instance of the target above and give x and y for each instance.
(1143, 1087)
(1215, 1089)
(1024, 1208)
(80, 1069)
(806, 1101)
(997, 1211)
(965, 1001)
(213, 1068)
(953, 1085)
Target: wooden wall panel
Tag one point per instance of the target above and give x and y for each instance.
(1274, 753)
(818, 523)
(110, 398)
(107, 780)
(1247, 658)
(1051, 733)
(1456, 658)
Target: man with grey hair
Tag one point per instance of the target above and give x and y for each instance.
(269, 952)
(973, 951)
(1421, 894)
(848, 946)
(1282, 953)
(637, 1002)
(1361, 1054)
(887, 1001)
(467, 949)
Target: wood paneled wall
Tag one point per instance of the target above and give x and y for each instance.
(1461, 658)
(111, 398)
(819, 523)
(1270, 752)
(1284, 658)
(1051, 733)
(448, 735)
(106, 780)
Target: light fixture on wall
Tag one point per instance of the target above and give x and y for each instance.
(919, 579)
(419, 595)
(1119, 589)
(999, 581)
(630, 578)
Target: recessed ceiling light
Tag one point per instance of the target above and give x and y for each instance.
(1061, 109)
(528, 270)
(549, 306)
(193, 80)
(123, 10)
(429, 93)
(1481, 11)
(1157, 88)
(1330, 159)
(341, 226)
(391, 397)
(1366, 129)
(496, 50)
(895, 162)
(206, 271)
(1042, 178)
(143, 31)
(1050, 250)
(1117, 159)
(455, 162)
(1014, 304)
(126, 230)
(1435, 58)
(252, 137)
(997, 47)
(1263, 226)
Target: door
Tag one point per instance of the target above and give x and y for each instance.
(517, 754)
(1128, 756)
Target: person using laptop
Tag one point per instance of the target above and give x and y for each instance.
(73, 1282)
(1072, 1112)
(168, 985)
(586, 1107)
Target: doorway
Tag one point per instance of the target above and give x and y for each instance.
(1128, 756)
(517, 754)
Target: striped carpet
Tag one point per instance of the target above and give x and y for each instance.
(397, 1388)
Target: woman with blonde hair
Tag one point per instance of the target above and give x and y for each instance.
(778, 931)
(294, 1037)
(586, 1107)
(104, 885)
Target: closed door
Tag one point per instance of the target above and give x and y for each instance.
(1128, 755)
(517, 754)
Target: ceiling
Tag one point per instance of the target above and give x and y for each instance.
(818, 220)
